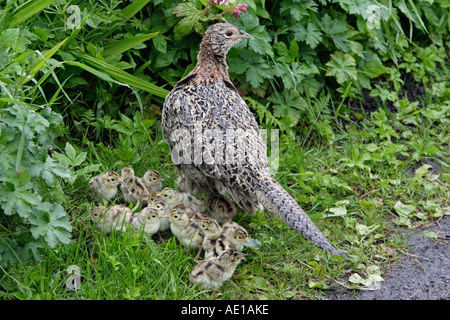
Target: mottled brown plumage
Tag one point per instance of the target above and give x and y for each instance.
(215, 141)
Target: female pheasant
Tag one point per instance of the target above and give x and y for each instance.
(215, 141)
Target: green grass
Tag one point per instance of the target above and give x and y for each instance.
(359, 175)
(286, 266)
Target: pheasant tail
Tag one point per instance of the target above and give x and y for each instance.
(276, 200)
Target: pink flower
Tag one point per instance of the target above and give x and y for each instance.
(241, 7)
(238, 9)
(236, 13)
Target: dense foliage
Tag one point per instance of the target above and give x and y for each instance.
(82, 85)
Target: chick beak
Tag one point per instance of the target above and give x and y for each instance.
(245, 35)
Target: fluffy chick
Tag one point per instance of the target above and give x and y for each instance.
(215, 242)
(132, 187)
(163, 209)
(197, 217)
(148, 219)
(220, 208)
(155, 195)
(185, 229)
(212, 273)
(236, 235)
(110, 219)
(152, 180)
(174, 197)
(104, 186)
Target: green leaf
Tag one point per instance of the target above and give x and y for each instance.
(261, 38)
(102, 67)
(289, 105)
(190, 21)
(44, 58)
(254, 66)
(27, 10)
(342, 66)
(339, 31)
(404, 210)
(117, 47)
(313, 35)
(298, 8)
(50, 222)
(17, 198)
(133, 8)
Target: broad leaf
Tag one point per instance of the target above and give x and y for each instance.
(50, 222)
(342, 66)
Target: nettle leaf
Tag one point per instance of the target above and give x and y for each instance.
(289, 105)
(313, 35)
(298, 8)
(25, 119)
(50, 222)
(341, 34)
(9, 144)
(309, 86)
(358, 7)
(292, 74)
(254, 66)
(191, 20)
(17, 196)
(261, 39)
(342, 66)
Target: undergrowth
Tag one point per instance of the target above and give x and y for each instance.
(359, 100)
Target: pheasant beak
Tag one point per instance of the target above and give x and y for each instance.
(245, 35)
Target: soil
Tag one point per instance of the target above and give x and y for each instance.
(422, 273)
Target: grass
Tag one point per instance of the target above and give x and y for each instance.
(131, 266)
(359, 184)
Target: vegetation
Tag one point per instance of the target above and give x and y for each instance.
(359, 92)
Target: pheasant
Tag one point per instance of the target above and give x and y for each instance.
(213, 272)
(215, 141)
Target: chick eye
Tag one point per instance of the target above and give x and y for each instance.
(229, 33)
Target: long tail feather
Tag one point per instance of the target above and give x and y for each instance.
(276, 200)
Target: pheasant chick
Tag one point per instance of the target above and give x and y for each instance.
(104, 186)
(133, 188)
(185, 229)
(152, 180)
(220, 208)
(110, 219)
(163, 209)
(236, 235)
(148, 219)
(215, 242)
(213, 272)
(174, 197)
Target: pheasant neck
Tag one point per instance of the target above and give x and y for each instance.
(211, 67)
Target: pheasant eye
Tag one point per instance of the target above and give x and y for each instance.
(229, 33)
